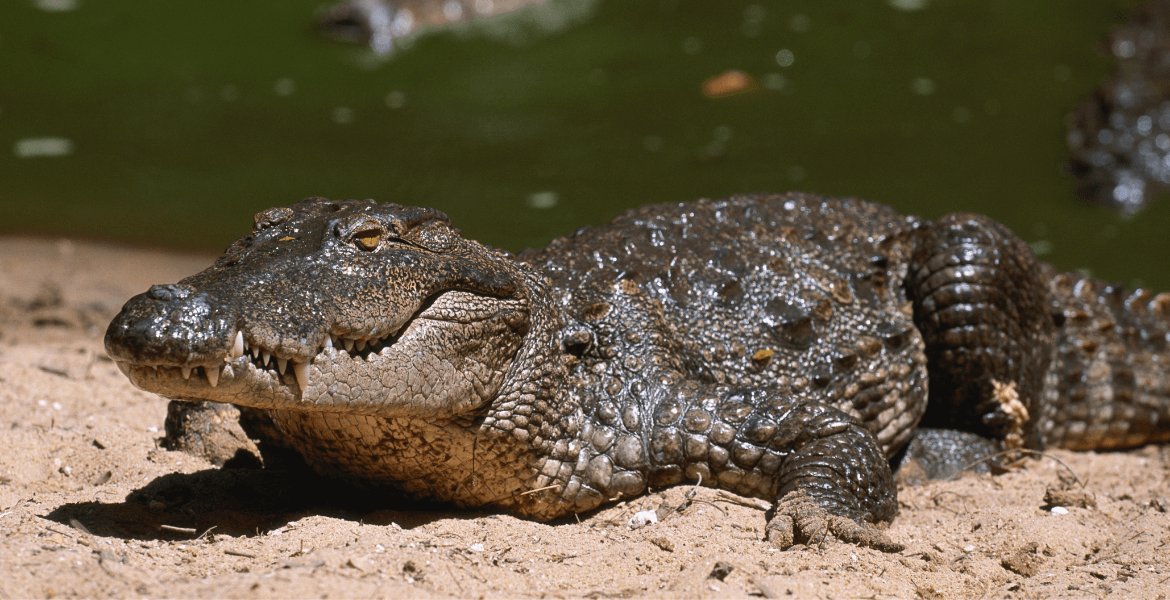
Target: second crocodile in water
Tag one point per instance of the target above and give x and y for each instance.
(782, 347)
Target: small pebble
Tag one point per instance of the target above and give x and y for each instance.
(642, 519)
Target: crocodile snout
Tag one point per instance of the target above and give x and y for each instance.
(171, 325)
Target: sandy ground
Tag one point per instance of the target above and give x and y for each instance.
(90, 505)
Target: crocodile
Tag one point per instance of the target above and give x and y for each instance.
(387, 24)
(777, 346)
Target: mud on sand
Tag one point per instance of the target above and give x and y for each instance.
(90, 505)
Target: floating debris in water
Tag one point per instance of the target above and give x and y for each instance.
(1120, 136)
(728, 83)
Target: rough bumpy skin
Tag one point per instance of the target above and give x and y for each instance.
(775, 346)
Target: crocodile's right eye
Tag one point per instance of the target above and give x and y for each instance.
(368, 239)
(364, 232)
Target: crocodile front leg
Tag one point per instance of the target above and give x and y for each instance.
(822, 467)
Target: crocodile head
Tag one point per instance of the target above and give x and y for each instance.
(341, 306)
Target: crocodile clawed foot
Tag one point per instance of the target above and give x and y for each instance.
(800, 520)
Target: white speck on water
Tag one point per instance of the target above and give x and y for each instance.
(923, 86)
(42, 147)
(343, 115)
(57, 5)
(396, 99)
(775, 82)
(1041, 247)
(543, 200)
(800, 23)
(284, 87)
(909, 5)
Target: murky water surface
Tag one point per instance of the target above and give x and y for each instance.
(173, 122)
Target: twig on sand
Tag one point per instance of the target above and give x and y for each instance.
(1009, 452)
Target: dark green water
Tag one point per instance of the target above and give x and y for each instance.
(176, 121)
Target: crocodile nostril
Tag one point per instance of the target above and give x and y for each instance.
(168, 292)
(271, 217)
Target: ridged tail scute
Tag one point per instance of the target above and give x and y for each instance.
(982, 308)
(1109, 383)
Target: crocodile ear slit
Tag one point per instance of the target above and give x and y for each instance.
(577, 340)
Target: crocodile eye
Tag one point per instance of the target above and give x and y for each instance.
(363, 231)
(368, 239)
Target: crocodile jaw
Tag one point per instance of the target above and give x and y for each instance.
(434, 366)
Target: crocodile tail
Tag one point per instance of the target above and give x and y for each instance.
(1108, 386)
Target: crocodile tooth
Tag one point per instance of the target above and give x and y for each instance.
(186, 372)
(212, 375)
(124, 367)
(348, 345)
(266, 357)
(328, 343)
(238, 347)
(301, 370)
(281, 364)
(360, 345)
